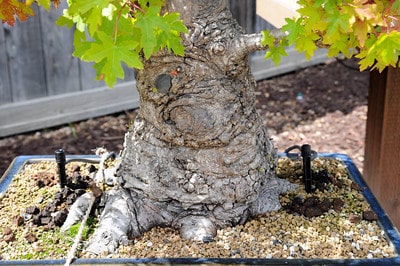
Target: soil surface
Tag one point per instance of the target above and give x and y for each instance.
(332, 222)
(330, 116)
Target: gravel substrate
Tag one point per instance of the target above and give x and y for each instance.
(345, 230)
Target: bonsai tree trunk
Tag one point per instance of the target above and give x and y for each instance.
(197, 157)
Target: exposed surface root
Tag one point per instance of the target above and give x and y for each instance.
(268, 199)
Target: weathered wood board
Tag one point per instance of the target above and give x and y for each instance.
(382, 146)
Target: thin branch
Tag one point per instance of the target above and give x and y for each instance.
(249, 43)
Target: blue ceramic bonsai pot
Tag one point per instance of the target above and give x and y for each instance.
(390, 231)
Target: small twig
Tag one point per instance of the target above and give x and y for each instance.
(112, 138)
(71, 252)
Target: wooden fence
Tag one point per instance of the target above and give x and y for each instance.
(42, 85)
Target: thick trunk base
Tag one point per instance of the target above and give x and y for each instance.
(197, 157)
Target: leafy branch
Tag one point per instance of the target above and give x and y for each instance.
(112, 32)
(367, 29)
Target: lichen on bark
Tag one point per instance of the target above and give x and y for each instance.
(197, 157)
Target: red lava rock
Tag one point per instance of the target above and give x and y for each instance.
(32, 210)
(311, 201)
(8, 235)
(313, 212)
(355, 186)
(338, 183)
(325, 205)
(18, 220)
(370, 216)
(97, 192)
(45, 220)
(354, 218)
(310, 207)
(30, 237)
(337, 204)
(44, 179)
(36, 219)
(92, 168)
(9, 238)
(7, 230)
(60, 217)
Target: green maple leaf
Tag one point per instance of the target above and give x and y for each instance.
(82, 7)
(158, 31)
(306, 45)
(90, 11)
(311, 16)
(275, 51)
(108, 54)
(148, 24)
(267, 39)
(338, 23)
(367, 59)
(380, 52)
(294, 28)
(69, 20)
(396, 7)
(342, 46)
(170, 34)
(81, 44)
(44, 3)
(387, 50)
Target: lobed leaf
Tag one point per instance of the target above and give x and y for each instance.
(108, 55)
(11, 9)
(294, 28)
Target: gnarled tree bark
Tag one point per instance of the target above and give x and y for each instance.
(197, 157)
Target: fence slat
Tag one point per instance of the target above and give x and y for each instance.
(88, 74)
(244, 12)
(69, 107)
(5, 88)
(26, 64)
(62, 71)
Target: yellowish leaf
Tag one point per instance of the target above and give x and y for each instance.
(361, 31)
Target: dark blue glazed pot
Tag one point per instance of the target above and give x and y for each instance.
(391, 232)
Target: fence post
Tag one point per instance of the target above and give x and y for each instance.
(382, 147)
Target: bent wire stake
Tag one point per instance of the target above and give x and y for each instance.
(307, 155)
(60, 160)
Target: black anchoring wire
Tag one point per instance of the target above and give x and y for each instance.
(307, 155)
(60, 160)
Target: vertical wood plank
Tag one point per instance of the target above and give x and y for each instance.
(5, 86)
(26, 64)
(62, 71)
(88, 75)
(373, 136)
(244, 11)
(129, 74)
(382, 156)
